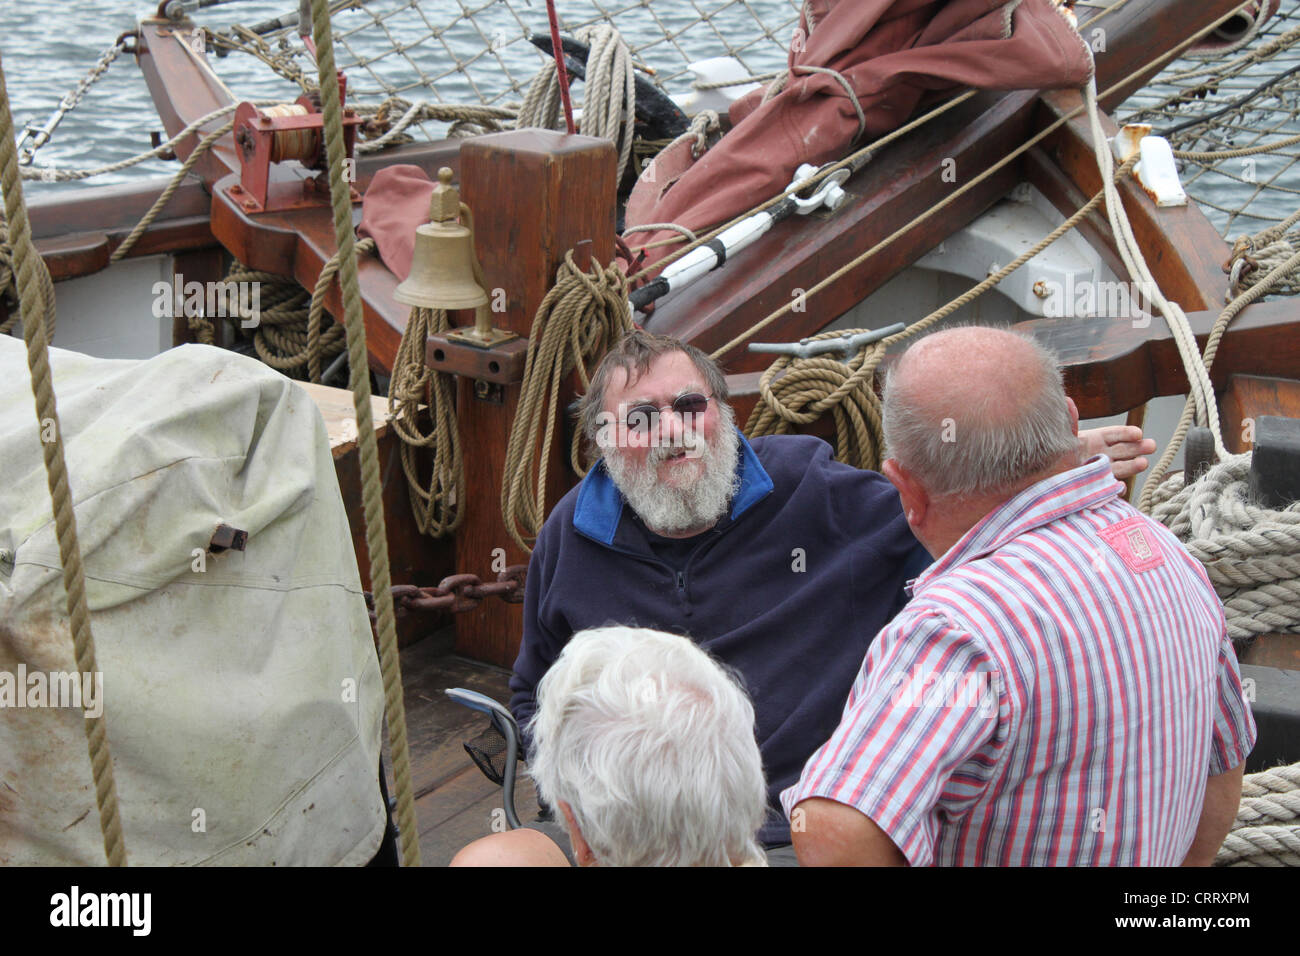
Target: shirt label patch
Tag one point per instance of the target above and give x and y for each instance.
(1134, 544)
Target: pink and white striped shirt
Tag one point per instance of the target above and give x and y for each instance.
(1056, 693)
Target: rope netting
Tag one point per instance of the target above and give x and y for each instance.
(478, 51)
(1232, 116)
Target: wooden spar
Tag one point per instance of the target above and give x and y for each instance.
(184, 89)
(894, 189)
(1110, 366)
(535, 195)
(900, 184)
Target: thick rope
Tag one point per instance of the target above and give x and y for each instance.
(1230, 312)
(165, 196)
(608, 93)
(583, 314)
(743, 81)
(798, 391)
(465, 120)
(28, 267)
(1265, 250)
(661, 227)
(1126, 244)
(1267, 829)
(372, 488)
(9, 286)
(704, 126)
(284, 336)
(327, 343)
(438, 502)
(1251, 553)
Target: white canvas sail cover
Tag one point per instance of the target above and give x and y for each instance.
(241, 689)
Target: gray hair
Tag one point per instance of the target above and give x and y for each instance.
(964, 449)
(651, 744)
(634, 353)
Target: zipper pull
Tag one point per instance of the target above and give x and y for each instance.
(681, 580)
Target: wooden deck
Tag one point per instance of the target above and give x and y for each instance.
(454, 802)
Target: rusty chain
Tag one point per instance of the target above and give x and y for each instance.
(458, 592)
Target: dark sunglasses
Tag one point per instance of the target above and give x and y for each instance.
(642, 418)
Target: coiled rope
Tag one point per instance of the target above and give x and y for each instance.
(290, 333)
(1266, 282)
(372, 489)
(438, 503)
(1264, 251)
(582, 315)
(1267, 829)
(608, 93)
(36, 304)
(1251, 553)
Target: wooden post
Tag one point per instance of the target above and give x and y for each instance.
(535, 194)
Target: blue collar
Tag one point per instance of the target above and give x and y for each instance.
(600, 504)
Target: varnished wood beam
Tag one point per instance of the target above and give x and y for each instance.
(1110, 366)
(184, 90)
(1183, 250)
(535, 195)
(903, 182)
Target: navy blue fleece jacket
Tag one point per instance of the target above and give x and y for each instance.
(789, 588)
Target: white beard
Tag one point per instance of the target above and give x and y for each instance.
(699, 505)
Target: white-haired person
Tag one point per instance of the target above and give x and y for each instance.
(644, 746)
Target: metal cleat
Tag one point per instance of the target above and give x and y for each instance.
(846, 344)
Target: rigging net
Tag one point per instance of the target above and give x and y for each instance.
(478, 50)
(1233, 118)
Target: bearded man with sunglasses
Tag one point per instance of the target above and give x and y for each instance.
(775, 558)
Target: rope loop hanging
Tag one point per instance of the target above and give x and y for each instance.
(798, 391)
(608, 97)
(582, 315)
(438, 502)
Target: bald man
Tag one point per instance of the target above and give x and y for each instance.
(1061, 689)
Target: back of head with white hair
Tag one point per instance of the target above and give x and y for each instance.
(651, 744)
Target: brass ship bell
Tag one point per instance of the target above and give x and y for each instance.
(445, 272)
